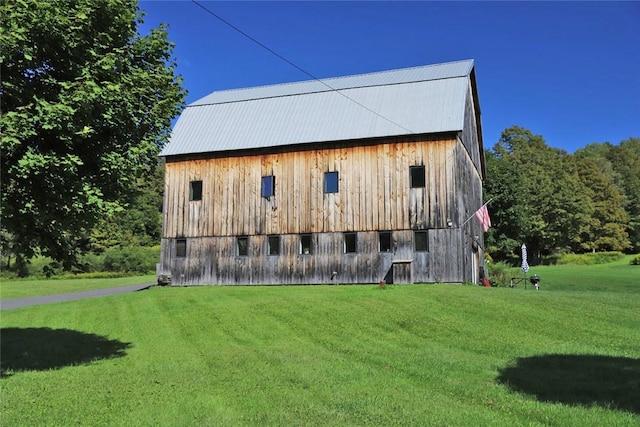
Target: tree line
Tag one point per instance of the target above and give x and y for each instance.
(557, 202)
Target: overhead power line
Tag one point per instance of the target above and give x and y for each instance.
(268, 49)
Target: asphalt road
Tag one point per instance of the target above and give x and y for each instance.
(8, 304)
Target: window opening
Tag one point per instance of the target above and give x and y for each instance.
(350, 242)
(242, 244)
(305, 244)
(384, 241)
(331, 182)
(195, 190)
(417, 177)
(421, 241)
(273, 246)
(181, 248)
(268, 186)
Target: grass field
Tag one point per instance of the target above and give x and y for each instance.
(333, 355)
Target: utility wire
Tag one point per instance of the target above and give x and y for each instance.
(262, 45)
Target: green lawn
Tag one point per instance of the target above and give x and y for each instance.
(30, 288)
(617, 276)
(328, 355)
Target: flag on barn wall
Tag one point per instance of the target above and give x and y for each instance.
(483, 216)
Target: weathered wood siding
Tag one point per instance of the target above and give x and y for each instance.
(470, 166)
(213, 260)
(374, 195)
(374, 191)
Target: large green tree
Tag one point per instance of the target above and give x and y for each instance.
(621, 165)
(87, 103)
(539, 196)
(626, 158)
(140, 224)
(604, 229)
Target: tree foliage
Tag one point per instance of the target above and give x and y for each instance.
(139, 224)
(558, 202)
(87, 104)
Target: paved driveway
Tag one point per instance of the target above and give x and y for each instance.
(8, 304)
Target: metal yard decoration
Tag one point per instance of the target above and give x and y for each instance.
(524, 267)
(525, 264)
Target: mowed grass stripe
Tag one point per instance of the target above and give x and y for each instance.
(356, 355)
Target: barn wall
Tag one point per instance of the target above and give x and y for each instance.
(213, 260)
(470, 130)
(374, 191)
(469, 160)
(374, 195)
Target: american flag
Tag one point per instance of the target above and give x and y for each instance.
(483, 216)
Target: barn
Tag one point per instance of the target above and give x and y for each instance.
(353, 179)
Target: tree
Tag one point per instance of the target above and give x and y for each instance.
(542, 201)
(605, 228)
(621, 165)
(140, 223)
(507, 207)
(87, 104)
(626, 158)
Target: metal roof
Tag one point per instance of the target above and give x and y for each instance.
(417, 100)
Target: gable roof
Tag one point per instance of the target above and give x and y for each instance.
(418, 100)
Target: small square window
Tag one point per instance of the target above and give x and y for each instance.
(305, 244)
(416, 175)
(268, 186)
(421, 241)
(350, 242)
(181, 248)
(273, 247)
(384, 241)
(195, 190)
(331, 182)
(243, 246)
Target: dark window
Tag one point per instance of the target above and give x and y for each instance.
(305, 244)
(384, 238)
(273, 247)
(181, 248)
(331, 182)
(416, 175)
(195, 190)
(421, 241)
(350, 242)
(243, 246)
(268, 186)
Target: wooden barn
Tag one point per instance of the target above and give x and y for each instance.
(354, 179)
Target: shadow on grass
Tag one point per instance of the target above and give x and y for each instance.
(610, 382)
(40, 349)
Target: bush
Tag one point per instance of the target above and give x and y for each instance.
(591, 258)
(89, 263)
(499, 273)
(132, 260)
(635, 260)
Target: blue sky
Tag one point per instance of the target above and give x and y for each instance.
(569, 71)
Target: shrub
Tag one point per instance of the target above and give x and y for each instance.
(635, 260)
(591, 258)
(499, 273)
(132, 260)
(89, 263)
